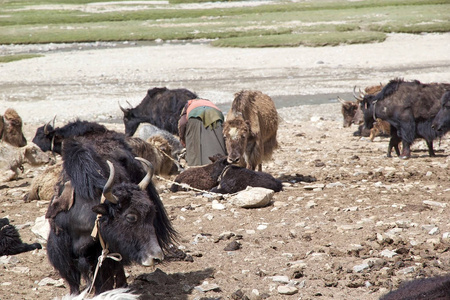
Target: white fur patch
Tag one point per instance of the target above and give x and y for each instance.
(234, 133)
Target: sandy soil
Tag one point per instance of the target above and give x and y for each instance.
(328, 239)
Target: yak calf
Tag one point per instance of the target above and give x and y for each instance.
(204, 177)
(234, 179)
(10, 241)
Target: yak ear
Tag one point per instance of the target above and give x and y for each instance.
(100, 209)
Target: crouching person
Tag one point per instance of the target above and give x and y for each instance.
(200, 131)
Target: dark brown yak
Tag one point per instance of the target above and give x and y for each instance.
(410, 107)
(250, 129)
(11, 128)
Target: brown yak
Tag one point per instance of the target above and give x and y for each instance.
(11, 128)
(250, 129)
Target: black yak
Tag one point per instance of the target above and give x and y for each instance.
(161, 107)
(10, 241)
(234, 179)
(133, 221)
(410, 108)
(442, 120)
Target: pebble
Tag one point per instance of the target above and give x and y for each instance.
(388, 253)
(217, 205)
(435, 203)
(311, 204)
(206, 287)
(361, 267)
(287, 290)
(282, 279)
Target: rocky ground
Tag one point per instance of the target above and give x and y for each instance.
(366, 224)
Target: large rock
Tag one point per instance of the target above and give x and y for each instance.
(252, 197)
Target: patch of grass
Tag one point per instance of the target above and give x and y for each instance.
(10, 58)
(306, 39)
(326, 22)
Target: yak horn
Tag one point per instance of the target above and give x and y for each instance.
(46, 132)
(108, 186)
(150, 171)
(122, 109)
(360, 97)
(341, 100)
(131, 106)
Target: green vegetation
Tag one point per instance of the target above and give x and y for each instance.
(10, 58)
(282, 23)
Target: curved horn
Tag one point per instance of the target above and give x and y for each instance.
(108, 186)
(360, 98)
(150, 171)
(46, 132)
(131, 106)
(341, 100)
(122, 109)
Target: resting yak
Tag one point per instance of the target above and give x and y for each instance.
(11, 128)
(132, 219)
(10, 241)
(409, 107)
(250, 129)
(161, 107)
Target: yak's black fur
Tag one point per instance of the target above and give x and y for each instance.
(410, 108)
(442, 120)
(10, 241)
(434, 288)
(71, 129)
(161, 107)
(235, 179)
(204, 177)
(71, 249)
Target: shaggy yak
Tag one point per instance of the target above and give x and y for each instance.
(11, 128)
(132, 220)
(43, 186)
(161, 107)
(10, 241)
(410, 108)
(250, 129)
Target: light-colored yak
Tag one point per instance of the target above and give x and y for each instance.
(250, 129)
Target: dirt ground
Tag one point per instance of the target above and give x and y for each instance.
(364, 226)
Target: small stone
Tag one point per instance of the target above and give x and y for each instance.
(233, 246)
(287, 290)
(388, 253)
(360, 268)
(435, 203)
(206, 287)
(282, 279)
(217, 205)
(311, 204)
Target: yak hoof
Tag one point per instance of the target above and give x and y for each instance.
(404, 157)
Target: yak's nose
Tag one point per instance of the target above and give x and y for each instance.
(153, 259)
(232, 160)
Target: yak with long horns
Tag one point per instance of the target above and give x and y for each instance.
(132, 220)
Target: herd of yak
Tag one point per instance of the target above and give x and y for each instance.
(102, 196)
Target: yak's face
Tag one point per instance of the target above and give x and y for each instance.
(128, 226)
(35, 156)
(349, 111)
(47, 140)
(367, 109)
(442, 120)
(236, 133)
(129, 120)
